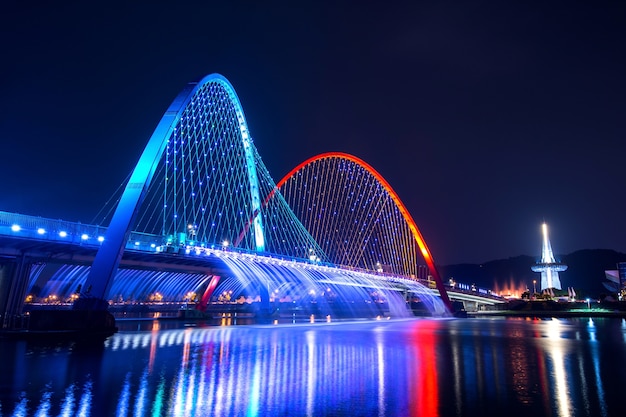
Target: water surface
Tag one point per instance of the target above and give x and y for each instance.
(416, 367)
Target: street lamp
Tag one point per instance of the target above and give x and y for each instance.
(534, 286)
(191, 230)
(588, 304)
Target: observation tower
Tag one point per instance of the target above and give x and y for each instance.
(548, 266)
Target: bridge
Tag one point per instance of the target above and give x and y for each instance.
(201, 216)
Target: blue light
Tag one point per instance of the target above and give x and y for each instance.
(63, 233)
(16, 228)
(41, 231)
(84, 236)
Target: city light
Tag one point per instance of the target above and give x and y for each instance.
(16, 228)
(549, 268)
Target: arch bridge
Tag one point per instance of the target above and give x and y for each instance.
(201, 187)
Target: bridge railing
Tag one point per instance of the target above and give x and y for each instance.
(39, 228)
(34, 227)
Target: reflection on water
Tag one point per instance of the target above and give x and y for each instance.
(556, 355)
(421, 367)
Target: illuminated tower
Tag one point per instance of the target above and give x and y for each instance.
(548, 266)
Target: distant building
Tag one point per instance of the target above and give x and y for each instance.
(548, 266)
(616, 280)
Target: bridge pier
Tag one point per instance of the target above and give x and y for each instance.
(14, 278)
(206, 297)
(470, 306)
(85, 318)
(264, 312)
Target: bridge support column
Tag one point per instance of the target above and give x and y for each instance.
(471, 306)
(14, 279)
(264, 312)
(206, 297)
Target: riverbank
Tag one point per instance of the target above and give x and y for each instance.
(551, 308)
(593, 313)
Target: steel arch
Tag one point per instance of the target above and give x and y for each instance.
(425, 251)
(108, 257)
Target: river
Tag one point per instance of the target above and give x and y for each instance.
(413, 367)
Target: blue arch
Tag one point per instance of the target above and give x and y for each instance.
(107, 259)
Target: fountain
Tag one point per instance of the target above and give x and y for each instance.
(287, 288)
(259, 286)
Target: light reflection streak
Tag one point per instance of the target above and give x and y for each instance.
(480, 367)
(179, 390)
(181, 401)
(456, 361)
(544, 382)
(201, 395)
(469, 368)
(427, 390)
(562, 392)
(497, 369)
(85, 400)
(308, 370)
(233, 388)
(380, 351)
(157, 404)
(239, 378)
(556, 355)
(140, 401)
(190, 402)
(154, 334)
(21, 409)
(220, 399)
(67, 407)
(583, 384)
(272, 370)
(596, 367)
(431, 399)
(126, 343)
(228, 369)
(592, 330)
(255, 391)
(310, 373)
(44, 407)
(519, 364)
(124, 400)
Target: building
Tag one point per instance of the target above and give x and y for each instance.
(548, 267)
(616, 280)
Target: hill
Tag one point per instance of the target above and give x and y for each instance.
(585, 272)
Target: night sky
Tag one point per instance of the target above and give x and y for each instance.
(487, 118)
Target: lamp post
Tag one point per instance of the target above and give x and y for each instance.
(534, 287)
(588, 304)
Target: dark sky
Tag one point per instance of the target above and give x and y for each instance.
(487, 118)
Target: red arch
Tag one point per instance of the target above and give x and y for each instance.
(405, 213)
